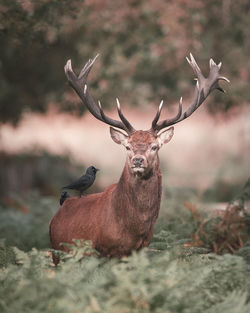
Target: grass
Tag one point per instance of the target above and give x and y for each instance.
(169, 276)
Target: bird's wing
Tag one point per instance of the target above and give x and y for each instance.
(84, 180)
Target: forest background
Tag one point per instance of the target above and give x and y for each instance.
(47, 139)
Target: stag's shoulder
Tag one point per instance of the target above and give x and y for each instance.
(88, 201)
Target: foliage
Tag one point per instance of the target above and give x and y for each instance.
(25, 222)
(30, 43)
(162, 282)
(143, 45)
(36, 170)
(168, 276)
(229, 230)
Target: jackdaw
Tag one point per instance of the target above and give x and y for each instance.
(85, 181)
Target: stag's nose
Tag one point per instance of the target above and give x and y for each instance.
(138, 161)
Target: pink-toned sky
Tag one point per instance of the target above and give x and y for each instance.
(202, 149)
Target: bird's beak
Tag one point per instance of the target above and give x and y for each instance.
(97, 169)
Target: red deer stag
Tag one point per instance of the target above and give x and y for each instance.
(121, 218)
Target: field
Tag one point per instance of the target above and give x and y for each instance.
(176, 273)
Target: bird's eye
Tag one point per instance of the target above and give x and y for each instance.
(154, 148)
(128, 148)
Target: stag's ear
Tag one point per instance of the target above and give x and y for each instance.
(165, 136)
(118, 136)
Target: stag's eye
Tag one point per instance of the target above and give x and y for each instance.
(127, 148)
(154, 148)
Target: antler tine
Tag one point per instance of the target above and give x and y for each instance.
(155, 128)
(157, 116)
(129, 127)
(104, 117)
(195, 66)
(87, 68)
(79, 84)
(204, 86)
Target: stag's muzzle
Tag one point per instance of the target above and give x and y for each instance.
(139, 163)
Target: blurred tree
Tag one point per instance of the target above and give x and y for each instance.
(143, 45)
(30, 58)
(226, 35)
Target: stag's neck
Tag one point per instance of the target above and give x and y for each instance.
(138, 197)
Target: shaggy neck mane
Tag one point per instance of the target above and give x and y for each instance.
(137, 199)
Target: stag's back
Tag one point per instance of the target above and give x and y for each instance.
(79, 218)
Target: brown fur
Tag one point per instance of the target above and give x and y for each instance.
(118, 220)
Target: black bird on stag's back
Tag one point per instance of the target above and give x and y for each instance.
(64, 195)
(85, 181)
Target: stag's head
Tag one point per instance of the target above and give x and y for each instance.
(142, 146)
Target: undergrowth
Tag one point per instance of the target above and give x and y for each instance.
(171, 275)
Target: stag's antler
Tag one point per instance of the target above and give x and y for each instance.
(80, 86)
(203, 88)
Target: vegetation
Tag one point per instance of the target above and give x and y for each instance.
(197, 261)
(143, 45)
(172, 275)
(36, 169)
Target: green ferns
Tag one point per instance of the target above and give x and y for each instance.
(144, 282)
(168, 277)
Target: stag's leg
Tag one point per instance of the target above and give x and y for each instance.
(55, 258)
(147, 240)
